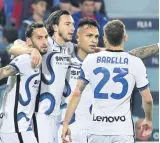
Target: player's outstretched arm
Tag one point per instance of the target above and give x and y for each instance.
(20, 47)
(146, 51)
(8, 70)
(147, 100)
(81, 84)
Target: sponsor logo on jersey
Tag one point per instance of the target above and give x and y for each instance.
(74, 72)
(62, 59)
(109, 118)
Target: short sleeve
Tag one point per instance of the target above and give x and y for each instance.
(141, 76)
(85, 69)
(22, 63)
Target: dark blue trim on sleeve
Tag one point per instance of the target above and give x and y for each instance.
(86, 81)
(14, 65)
(82, 76)
(143, 88)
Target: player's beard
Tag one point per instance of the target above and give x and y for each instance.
(60, 33)
(36, 47)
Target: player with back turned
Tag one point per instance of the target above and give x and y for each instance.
(112, 76)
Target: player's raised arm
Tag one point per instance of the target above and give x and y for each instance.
(8, 70)
(20, 47)
(146, 51)
(81, 84)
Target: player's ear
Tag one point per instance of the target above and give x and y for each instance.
(125, 37)
(55, 28)
(77, 37)
(104, 39)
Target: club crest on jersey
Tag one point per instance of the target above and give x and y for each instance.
(36, 70)
(109, 118)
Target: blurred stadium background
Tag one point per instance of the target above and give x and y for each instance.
(141, 18)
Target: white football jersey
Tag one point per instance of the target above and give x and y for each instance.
(112, 76)
(19, 101)
(82, 114)
(54, 68)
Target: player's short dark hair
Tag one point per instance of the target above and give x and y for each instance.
(114, 32)
(82, 1)
(54, 19)
(31, 28)
(88, 21)
(37, 1)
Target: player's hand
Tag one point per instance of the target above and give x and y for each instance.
(66, 132)
(19, 42)
(146, 127)
(36, 58)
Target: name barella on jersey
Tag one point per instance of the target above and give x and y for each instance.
(54, 68)
(112, 76)
(82, 114)
(19, 101)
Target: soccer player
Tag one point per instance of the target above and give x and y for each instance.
(60, 27)
(22, 89)
(35, 55)
(112, 75)
(87, 38)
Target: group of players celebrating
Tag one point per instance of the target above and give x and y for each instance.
(49, 74)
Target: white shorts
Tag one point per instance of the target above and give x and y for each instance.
(78, 135)
(45, 128)
(110, 139)
(23, 137)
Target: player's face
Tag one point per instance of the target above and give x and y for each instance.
(87, 38)
(66, 27)
(88, 7)
(40, 8)
(39, 40)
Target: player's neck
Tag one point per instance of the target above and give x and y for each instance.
(58, 39)
(81, 54)
(116, 48)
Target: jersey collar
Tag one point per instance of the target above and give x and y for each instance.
(76, 54)
(114, 50)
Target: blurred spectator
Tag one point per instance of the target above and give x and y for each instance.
(87, 10)
(8, 9)
(139, 136)
(2, 17)
(4, 60)
(10, 34)
(39, 9)
(100, 7)
(75, 6)
(65, 5)
(16, 15)
(55, 8)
